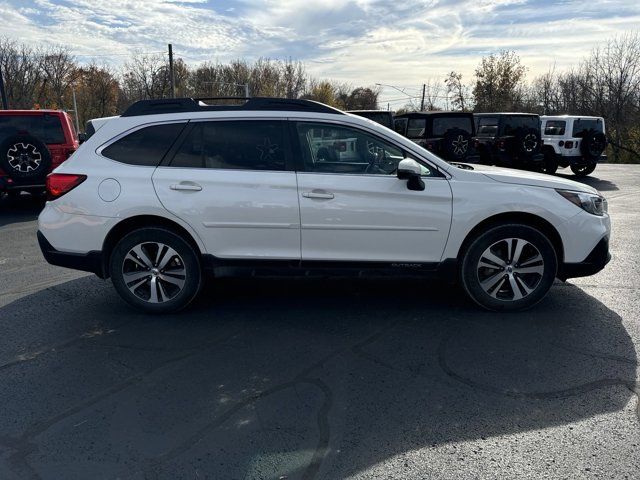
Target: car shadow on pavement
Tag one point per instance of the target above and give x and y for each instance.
(599, 184)
(292, 378)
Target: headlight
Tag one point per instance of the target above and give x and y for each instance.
(589, 202)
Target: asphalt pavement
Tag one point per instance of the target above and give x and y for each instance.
(319, 378)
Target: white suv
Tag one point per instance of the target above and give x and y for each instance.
(175, 189)
(573, 141)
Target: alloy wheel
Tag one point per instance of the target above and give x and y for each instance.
(24, 157)
(154, 272)
(510, 269)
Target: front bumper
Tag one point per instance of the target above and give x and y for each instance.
(591, 265)
(87, 262)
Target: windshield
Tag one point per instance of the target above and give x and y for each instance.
(46, 128)
(520, 122)
(442, 125)
(582, 125)
(383, 118)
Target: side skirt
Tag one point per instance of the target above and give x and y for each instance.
(446, 270)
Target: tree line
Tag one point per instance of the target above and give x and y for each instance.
(605, 83)
(49, 77)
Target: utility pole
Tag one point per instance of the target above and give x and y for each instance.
(171, 80)
(75, 109)
(3, 94)
(246, 90)
(424, 88)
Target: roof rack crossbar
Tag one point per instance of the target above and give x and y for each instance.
(179, 105)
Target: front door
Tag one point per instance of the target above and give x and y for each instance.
(353, 208)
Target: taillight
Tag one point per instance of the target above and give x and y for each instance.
(501, 144)
(60, 183)
(568, 144)
(476, 143)
(429, 146)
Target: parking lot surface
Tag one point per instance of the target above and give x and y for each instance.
(319, 378)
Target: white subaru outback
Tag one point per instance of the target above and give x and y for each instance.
(175, 189)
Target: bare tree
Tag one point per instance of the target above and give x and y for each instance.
(457, 91)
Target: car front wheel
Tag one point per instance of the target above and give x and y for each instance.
(155, 270)
(509, 267)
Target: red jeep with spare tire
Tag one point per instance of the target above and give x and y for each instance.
(32, 143)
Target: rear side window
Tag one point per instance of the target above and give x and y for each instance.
(487, 126)
(416, 127)
(555, 127)
(46, 128)
(234, 145)
(582, 125)
(442, 124)
(146, 146)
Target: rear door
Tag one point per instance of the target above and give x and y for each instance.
(230, 180)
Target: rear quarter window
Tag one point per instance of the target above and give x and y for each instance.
(146, 146)
(416, 127)
(486, 126)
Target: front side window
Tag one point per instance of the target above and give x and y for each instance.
(146, 146)
(416, 127)
(330, 148)
(582, 125)
(555, 127)
(233, 145)
(443, 124)
(516, 123)
(487, 126)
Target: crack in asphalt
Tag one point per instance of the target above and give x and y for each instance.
(551, 394)
(302, 377)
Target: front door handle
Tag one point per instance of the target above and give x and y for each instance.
(188, 186)
(318, 194)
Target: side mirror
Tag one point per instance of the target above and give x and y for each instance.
(411, 171)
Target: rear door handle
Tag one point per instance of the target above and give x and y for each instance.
(188, 186)
(318, 194)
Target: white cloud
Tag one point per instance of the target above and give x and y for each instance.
(361, 41)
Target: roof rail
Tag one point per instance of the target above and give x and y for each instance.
(179, 105)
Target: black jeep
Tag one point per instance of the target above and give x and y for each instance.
(383, 117)
(509, 140)
(447, 134)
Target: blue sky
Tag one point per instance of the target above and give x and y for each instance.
(361, 42)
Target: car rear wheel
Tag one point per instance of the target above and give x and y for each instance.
(509, 267)
(155, 270)
(583, 170)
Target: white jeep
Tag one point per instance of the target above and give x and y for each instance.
(573, 141)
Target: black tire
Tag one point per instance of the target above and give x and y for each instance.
(24, 157)
(456, 144)
(550, 163)
(184, 266)
(504, 297)
(593, 144)
(583, 170)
